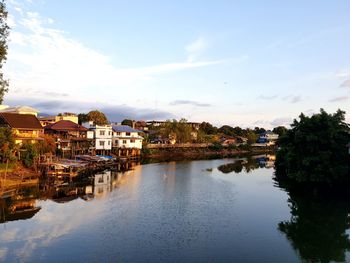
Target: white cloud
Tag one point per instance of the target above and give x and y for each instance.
(196, 48)
(44, 60)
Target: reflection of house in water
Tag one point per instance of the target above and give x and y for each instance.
(102, 184)
(16, 206)
(267, 160)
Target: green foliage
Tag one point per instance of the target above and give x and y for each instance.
(7, 145)
(314, 150)
(227, 130)
(127, 122)
(207, 128)
(98, 117)
(252, 136)
(178, 130)
(82, 117)
(47, 145)
(280, 130)
(4, 32)
(29, 154)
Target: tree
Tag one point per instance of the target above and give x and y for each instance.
(251, 136)
(82, 117)
(29, 155)
(207, 128)
(128, 122)
(259, 130)
(47, 145)
(280, 130)
(314, 150)
(227, 130)
(4, 32)
(98, 117)
(7, 145)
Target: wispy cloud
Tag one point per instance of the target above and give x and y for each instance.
(284, 121)
(196, 48)
(345, 84)
(43, 60)
(292, 99)
(339, 99)
(189, 102)
(264, 97)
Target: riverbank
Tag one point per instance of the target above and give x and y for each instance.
(177, 154)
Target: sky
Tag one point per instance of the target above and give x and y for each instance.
(245, 63)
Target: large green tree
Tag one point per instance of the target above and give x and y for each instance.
(314, 150)
(7, 145)
(4, 32)
(97, 117)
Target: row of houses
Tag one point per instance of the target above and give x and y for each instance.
(70, 137)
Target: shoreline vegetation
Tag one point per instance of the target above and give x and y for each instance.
(314, 155)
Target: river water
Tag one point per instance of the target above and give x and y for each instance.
(226, 210)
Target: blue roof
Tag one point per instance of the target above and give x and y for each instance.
(124, 128)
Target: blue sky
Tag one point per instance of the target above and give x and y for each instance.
(247, 63)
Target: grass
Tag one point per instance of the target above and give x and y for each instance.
(9, 168)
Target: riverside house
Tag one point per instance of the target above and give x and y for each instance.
(25, 127)
(101, 136)
(126, 140)
(71, 137)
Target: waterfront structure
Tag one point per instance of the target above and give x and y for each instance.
(71, 138)
(126, 140)
(19, 110)
(268, 137)
(101, 136)
(66, 116)
(25, 127)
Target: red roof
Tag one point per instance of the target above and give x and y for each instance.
(65, 125)
(20, 121)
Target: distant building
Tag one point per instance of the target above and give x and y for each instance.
(25, 127)
(194, 125)
(46, 120)
(268, 137)
(19, 110)
(102, 137)
(71, 137)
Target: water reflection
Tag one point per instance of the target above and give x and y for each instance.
(248, 164)
(22, 203)
(317, 229)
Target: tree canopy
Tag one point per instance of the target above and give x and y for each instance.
(314, 150)
(4, 32)
(127, 122)
(96, 116)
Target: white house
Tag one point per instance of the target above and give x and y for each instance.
(102, 136)
(126, 137)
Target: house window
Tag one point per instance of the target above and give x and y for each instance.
(118, 133)
(102, 132)
(109, 142)
(132, 141)
(128, 134)
(109, 133)
(124, 141)
(102, 143)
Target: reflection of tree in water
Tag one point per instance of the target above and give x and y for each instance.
(248, 165)
(317, 228)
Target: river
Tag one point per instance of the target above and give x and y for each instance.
(226, 210)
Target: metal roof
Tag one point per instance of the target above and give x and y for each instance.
(124, 128)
